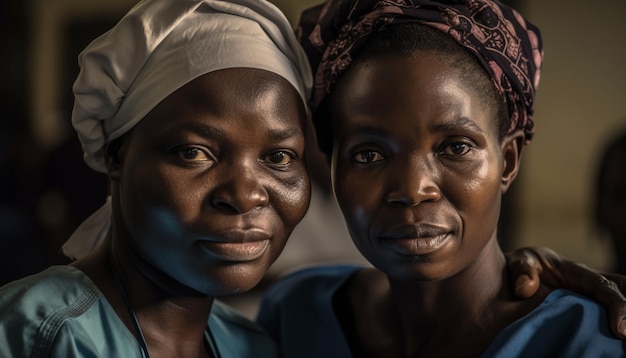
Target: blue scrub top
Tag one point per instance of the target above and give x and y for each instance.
(61, 313)
(298, 312)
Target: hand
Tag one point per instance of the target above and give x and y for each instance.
(531, 266)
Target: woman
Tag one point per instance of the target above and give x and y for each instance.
(196, 112)
(424, 108)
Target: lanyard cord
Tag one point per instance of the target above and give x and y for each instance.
(118, 281)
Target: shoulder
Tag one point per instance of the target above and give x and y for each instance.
(33, 309)
(578, 312)
(564, 324)
(303, 295)
(310, 281)
(237, 336)
(48, 291)
(298, 311)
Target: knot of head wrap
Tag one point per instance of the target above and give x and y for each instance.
(155, 49)
(161, 45)
(507, 46)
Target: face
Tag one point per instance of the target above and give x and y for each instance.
(212, 181)
(418, 169)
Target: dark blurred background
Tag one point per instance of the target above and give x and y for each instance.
(46, 190)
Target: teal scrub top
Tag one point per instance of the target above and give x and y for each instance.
(61, 313)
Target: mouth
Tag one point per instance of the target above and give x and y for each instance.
(415, 240)
(237, 246)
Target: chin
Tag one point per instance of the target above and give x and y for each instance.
(233, 279)
(418, 271)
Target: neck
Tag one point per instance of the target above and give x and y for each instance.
(456, 316)
(171, 317)
(465, 298)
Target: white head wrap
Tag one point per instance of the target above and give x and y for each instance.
(158, 47)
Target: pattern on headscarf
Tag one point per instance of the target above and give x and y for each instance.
(507, 46)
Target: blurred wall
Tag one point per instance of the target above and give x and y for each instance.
(60, 29)
(581, 101)
(292, 8)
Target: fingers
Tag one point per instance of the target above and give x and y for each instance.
(609, 290)
(526, 286)
(619, 280)
(553, 270)
(614, 283)
(524, 269)
(617, 319)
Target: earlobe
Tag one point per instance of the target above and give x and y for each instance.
(512, 146)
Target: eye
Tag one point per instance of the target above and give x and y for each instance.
(456, 149)
(279, 157)
(368, 156)
(193, 154)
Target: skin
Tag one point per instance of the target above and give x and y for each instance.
(206, 190)
(419, 171)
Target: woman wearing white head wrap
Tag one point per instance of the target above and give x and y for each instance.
(196, 111)
(154, 50)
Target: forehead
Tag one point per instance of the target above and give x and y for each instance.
(424, 85)
(235, 91)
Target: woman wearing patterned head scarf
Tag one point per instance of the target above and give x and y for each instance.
(424, 108)
(196, 110)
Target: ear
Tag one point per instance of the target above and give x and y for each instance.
(113, 158)
(512, 155)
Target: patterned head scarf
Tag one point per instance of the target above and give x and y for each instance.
(155, 49)
(507, 46)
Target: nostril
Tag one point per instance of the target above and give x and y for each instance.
(223, 205)
(242, 189)
(237, 200)
(399, 201)
(413, 198)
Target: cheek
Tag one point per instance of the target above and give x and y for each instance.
(157, 197)
(344, 192)
(479, 177)
(479, 199)
(291, 199)
(357, 196)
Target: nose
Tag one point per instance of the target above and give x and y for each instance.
(240, 190)
(412, 183)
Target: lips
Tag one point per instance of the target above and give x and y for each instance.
(237, 246)
(414, 240)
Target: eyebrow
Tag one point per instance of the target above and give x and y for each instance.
(448, 126)
(455, 124)
(203, 130)
(369, 131)
(283, 134)
(206, 131)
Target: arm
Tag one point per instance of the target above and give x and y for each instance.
(531, 266)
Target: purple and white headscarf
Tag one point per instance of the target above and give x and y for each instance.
(507, 46)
